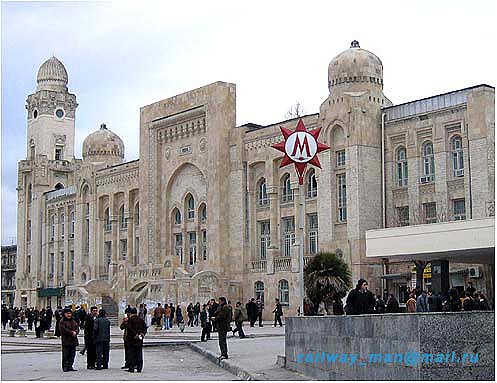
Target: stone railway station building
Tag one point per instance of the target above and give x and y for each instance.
(206, 211)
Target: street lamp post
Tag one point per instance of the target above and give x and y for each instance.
(301, 148)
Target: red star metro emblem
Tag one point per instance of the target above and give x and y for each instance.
(301, 148)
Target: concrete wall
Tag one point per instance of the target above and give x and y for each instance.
(435, 333)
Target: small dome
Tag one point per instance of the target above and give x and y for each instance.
(355, 65)
(52, 75)
(103, 146)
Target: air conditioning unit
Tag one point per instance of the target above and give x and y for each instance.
(474, 272)
(39, 284)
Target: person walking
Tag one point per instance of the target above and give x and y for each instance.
(69, 330)
(239, 316)
(167, 317)
(252, 311)
(205, 323)
(158, 312)
(124, 326)
(30, 317)
(12, 315)
(49, 317)
(222, 320)
(260, 309)
(278, 312)
(135, 332)
(101, 337)
(41, 328)
(422, 302)
(360, 300)
(171, 306)
(196, 313)
(212, 311)
(179, 315)
(189, 311)
(58, 317)
(5, 316)
(91, 350)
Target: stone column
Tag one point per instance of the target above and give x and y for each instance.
(440, 276)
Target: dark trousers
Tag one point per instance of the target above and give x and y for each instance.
(91, 354)
(206, 332)
(277, 318)
(39, 331)
(239, 329)
(30, 325)
(135, 354)
(252, 320)
(68, 354)
(102, 349)
(222, 342)
(126, 354)
(259, 315)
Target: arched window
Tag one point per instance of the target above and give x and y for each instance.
(190, 205)
(30, 194)
(283, 292)
(262, 193)
(107, 224)
(428, 163)
(137, 214)
(401, 166)
(203, 213)
(457, 156)
(312, 184)
(286, 189)
(59, 186)
(62, 225)
(83, 277)
(71, 235)
(177, 217)
(122, 220)
(259, 291)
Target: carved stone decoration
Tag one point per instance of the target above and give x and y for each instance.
(167, 153)
(167, 263)
(490, 208)
(202, 144)
(207, 282)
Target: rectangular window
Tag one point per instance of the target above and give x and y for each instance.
(264, 238)
(137, 251)
(178, 246)
(288, 226)
(204, 245)
(62, 226)
(107, 255)
(28, 232)
(192, 247)
(403, 216)
(340, 158)
(312, 239)
(123, 244)
(459, 209)
(62, 260)
(342, 198)
(58, 153)
(430, 212)
(72, 263)
(52, 265)
(71, 234)
(28, 263)
(52, 227)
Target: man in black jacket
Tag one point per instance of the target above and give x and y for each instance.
(135, 332)
(360, 300)
(101, 337)
(91, 351)
(252, 311)
(222, 318)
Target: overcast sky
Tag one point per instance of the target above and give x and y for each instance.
(123, 55)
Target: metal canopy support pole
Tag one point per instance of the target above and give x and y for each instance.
(301, 245)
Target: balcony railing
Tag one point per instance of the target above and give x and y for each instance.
(258, 266)
(283, 264)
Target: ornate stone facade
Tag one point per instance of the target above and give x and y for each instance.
(206, 211)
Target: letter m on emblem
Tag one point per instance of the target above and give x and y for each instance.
(301, 147)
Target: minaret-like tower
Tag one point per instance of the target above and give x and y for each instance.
(351, 117)
(48, 165)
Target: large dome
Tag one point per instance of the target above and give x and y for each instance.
(52, 75)
(355, 65)
(103, 146)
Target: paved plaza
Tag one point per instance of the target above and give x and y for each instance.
(168, 355)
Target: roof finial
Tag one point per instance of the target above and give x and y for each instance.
(354, 44)
(103, 126)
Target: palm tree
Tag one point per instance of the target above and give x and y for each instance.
(326, 278)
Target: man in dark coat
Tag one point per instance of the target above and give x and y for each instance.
(101, 337)
(30, 317)
(260, 309)
(222, 318)
(123, 326)
(91, 351)
(58, 317)
(5, 316)
(212, 311)
(135, 332)
(205, 323)
(69, 330)
(252, 311)
(278, 312)
(49, 317)
(360, 300)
